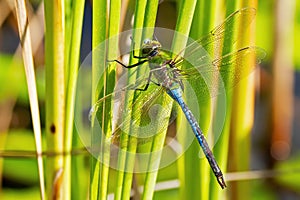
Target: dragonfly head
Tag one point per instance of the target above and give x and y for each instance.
(150, 47)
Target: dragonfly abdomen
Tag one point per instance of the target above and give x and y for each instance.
(176, 95)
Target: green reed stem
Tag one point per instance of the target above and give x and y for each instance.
(72, 57)
(55, 95)
(98, 65)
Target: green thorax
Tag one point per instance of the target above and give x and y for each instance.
(159, 60)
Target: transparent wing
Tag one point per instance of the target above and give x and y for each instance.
(226, 31)
(211, 45)
(141, 117)
(222, 73)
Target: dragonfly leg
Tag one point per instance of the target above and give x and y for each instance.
(143, 89)
(131, 66)
(133, 51)
(148, 83)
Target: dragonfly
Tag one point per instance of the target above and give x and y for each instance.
(168, 76)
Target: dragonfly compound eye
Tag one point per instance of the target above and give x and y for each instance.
(147, 41)
(146, 50)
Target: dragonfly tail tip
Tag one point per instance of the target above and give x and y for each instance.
(221, 182)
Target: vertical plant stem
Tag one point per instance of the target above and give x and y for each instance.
(183, 26)
(55, 95)
(68, 34)
(98, 65)
(242, 114)
(203, 22)
(109, 83)
(114, 28)
(73, 57)
(150, 179)
(123, 187)
(24, 33)
(221, 149)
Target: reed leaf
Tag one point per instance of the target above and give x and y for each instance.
(24, 33)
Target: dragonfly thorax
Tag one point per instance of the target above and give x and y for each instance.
(150, 48)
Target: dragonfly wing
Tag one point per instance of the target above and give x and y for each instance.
(211, 45)
(226, 30)
(223, 73)
(141, 118)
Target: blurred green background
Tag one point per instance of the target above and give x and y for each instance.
(274, 168)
